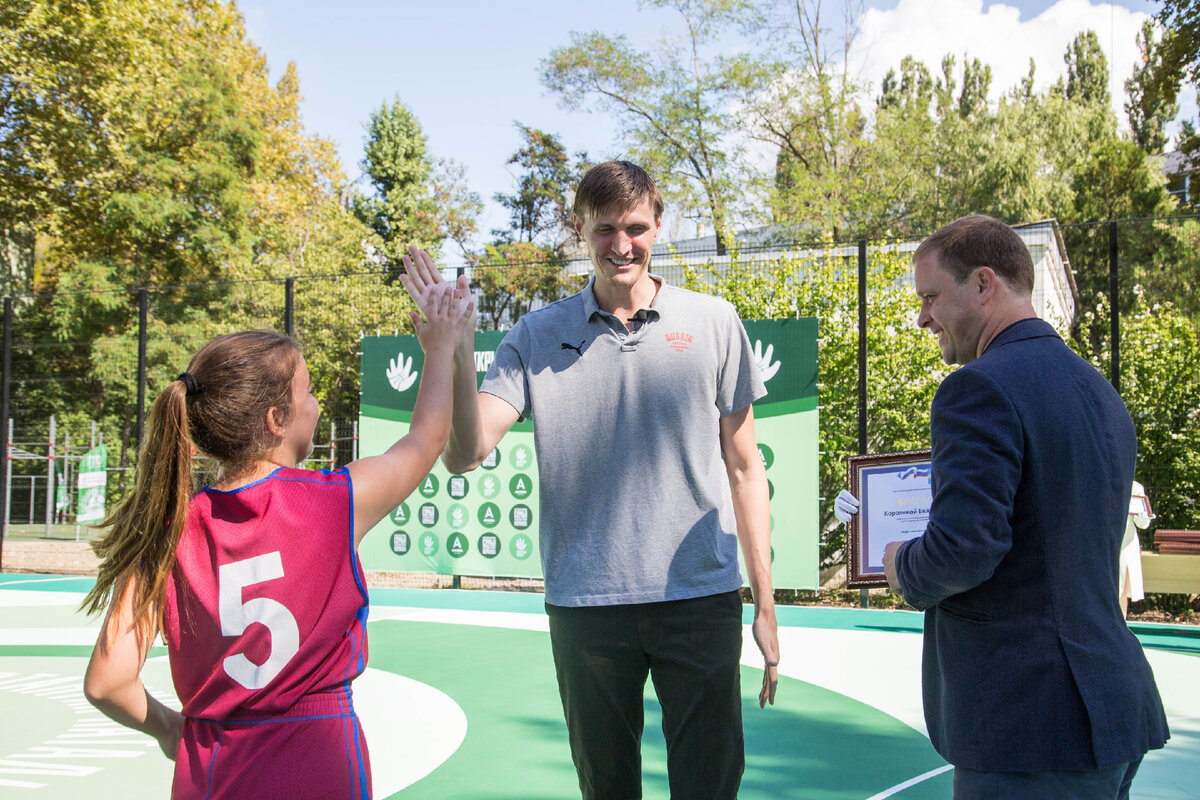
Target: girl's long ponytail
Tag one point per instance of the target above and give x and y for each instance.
(144, 529)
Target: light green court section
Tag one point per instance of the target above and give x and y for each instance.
(812, 744)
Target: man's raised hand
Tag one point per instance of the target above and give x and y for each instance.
(423, 280)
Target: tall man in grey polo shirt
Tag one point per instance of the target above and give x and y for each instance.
(640, 395)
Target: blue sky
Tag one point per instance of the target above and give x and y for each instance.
(469, 68)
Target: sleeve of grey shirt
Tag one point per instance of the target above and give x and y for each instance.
(507, 378)
(740, 382)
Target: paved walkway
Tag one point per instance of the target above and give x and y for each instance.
(460, 702)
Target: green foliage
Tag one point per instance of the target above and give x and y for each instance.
(1087, 71)
(512, 275)
(1180, 53)
(671, 106)
(538, 210)
(1153, 92)
(400, 212)
(800, 97)
(904, 364)
(142, 145)
(416, 201)
(1160, 383)
(179, 211)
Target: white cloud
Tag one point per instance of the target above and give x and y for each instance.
(996, 35)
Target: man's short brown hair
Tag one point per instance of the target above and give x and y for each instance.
(981, 241)
(615, 186)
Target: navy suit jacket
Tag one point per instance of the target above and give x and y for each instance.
(1028, 664)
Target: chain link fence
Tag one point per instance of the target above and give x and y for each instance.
(1124, 293)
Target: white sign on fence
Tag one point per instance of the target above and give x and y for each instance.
(93, 481)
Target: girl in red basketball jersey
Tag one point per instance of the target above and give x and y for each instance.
(254, 581)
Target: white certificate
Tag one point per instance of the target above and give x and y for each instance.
(895, 494)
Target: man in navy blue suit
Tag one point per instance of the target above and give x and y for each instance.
(1033, 685)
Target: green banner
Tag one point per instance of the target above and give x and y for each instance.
(484, 523)
(93, 482)
(786, 425)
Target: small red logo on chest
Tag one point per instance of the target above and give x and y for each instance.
(678, 340)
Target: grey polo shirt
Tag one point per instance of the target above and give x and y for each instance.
(635, 500)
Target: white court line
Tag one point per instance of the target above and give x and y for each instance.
(10, 598)
(56, 579)
(50, 637)
(900, 787)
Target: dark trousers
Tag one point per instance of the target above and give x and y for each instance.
(691, 650)
(1107, 783)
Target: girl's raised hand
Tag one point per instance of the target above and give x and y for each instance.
(446, 317)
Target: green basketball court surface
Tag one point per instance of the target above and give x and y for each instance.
(459, 701)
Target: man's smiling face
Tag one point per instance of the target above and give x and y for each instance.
(950, 310)
(619, 244)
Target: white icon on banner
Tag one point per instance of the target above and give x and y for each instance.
(764, 360)
(401, 375)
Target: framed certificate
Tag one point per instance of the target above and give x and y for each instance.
(894, 494)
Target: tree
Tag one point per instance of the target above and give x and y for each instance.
(160, 156)
(1087, 71)
(1181, 40)
(538, 210)
(512, 275)
(133, 121)
(904, 363)
(458, 208)
(400, 211)
(1160, 384)
(1180, 54)
(121, 140)
(671, 107)
(1117, 181)
(1153, 92)
(802, 99)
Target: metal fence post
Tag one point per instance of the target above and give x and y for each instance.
(143, 312)
(60, 514)
(5, 426)
(1114, 300)
(864, 595)
(289, 306)
(50, 478)
(8, 477)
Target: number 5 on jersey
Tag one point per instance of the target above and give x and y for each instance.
(236, 616)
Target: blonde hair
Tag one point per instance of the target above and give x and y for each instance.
(237, 378)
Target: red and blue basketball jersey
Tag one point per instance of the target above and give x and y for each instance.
(265, 625)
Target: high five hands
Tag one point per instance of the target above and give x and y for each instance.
(423, 280)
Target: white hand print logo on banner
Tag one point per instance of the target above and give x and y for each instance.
(764, 360)
(401, 375)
